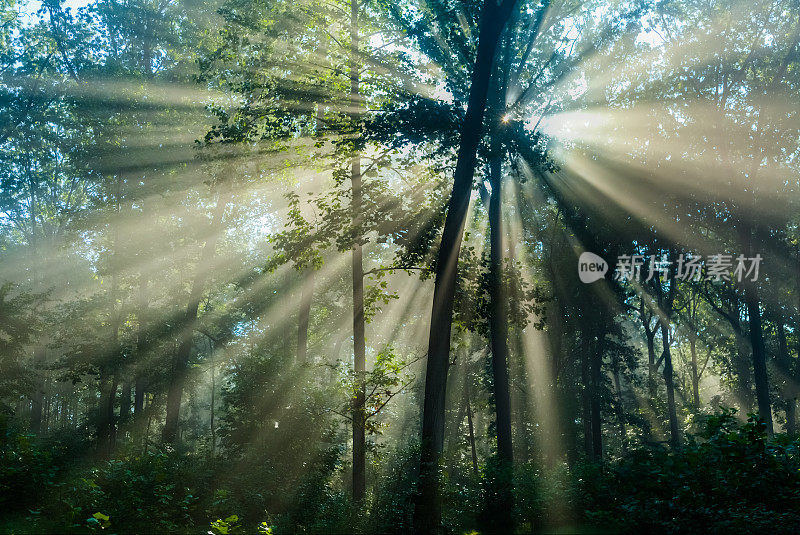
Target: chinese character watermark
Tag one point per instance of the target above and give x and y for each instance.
(686, 267)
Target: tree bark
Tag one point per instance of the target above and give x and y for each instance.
(620, 408)
(650, 335)
(212, 407)
(785, 365)
(669, 378)
(586, 394)
(37, 400)
(471, 435)
(105, 413)
(695, 371)
(596, 379)
(498, 326)
(141, 350)
(125, 401)
(359, 342)
(498, 337)
(759, 355)
(428, 512)
(138, 396)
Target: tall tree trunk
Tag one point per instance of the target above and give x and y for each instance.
(669, 377)
(102, 415)
(211, 424)
(695, 371)
(794, 368)
(498, 337)
(141, 350)
(359, 342)
(111, 416)
(759, 354)
(48, 404)
(64, 412)
(596, 391)
(40, 351)
(105, 412)
(125, 401)
(428, 512)
(462, 411)
(498, 326)
(359, 357)
(106, 424)
(586, 396)
(620, 407)
(669, 380)
(471, 427)
(785, 365)
(742, 369)
(651, 364)
(650, 335)
(138, 395)
(37, 399)
(304, 315)
(753, 307)
(180, 367)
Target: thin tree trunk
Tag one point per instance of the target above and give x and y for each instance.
(785, 365)
(650, 335)
(48, 402)
(40, 351)
(695, 374)
(586, 405)
(141, 350)
(359, 342)
(462, 411)
(596, 380)
(742, 370)
(472, 437)
(125, 401)
(651, 364)
(620, 408)
(138, 396)
(105, 411)
(64, 414)
(428, 511)
(213, 395)
(498, 326)
(756, 333)
(759, 355)
(498, 338)
(793, 368)
(146, 441)
(37, 400)
(669, 378)
(111, 417)
(107, 426)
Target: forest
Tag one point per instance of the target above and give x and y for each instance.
(399, 266)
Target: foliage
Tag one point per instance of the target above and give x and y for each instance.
(729, 479)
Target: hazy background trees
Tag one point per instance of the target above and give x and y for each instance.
(314, 265)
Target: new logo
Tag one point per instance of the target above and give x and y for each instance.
(591, 267)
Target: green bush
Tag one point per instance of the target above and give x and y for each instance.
(730, 479)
